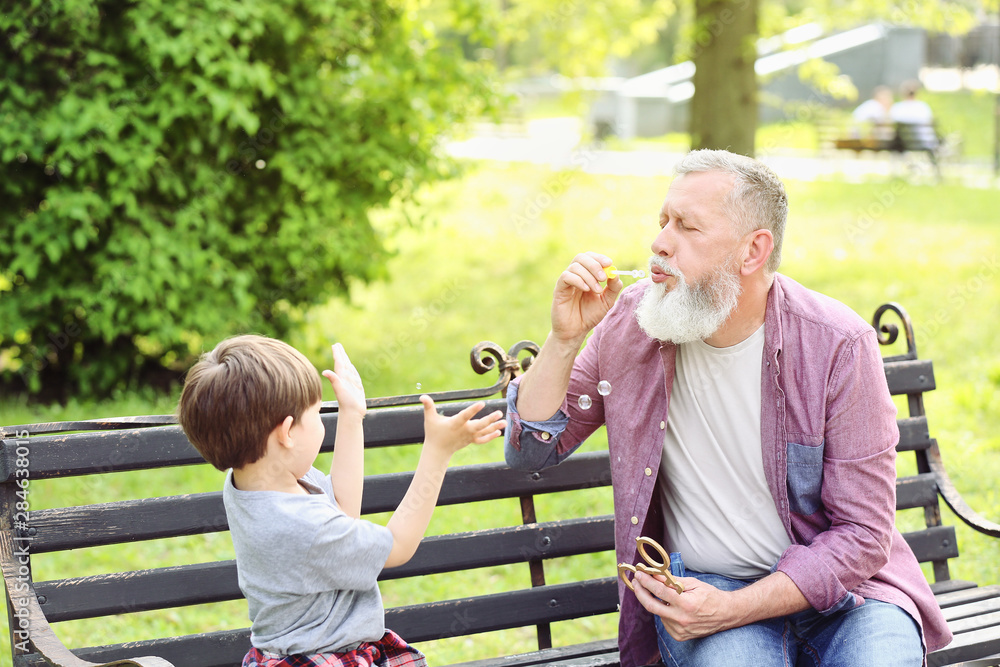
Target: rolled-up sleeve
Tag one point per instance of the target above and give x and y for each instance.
(532, 445)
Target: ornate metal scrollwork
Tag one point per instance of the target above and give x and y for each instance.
(485, 357)
(888, 332)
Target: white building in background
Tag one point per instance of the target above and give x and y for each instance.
(657, 102)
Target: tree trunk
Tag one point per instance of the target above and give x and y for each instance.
(724, 106)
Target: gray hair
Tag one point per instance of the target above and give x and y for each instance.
(757, 200)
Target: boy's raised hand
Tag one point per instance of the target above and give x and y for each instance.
(346, 383)
(451, 434)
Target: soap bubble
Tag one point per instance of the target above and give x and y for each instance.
(584, 402)
(603, 387)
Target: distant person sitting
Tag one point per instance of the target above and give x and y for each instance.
(914, 120)
(874, 115)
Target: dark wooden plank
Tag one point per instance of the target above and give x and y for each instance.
(972, 623)
(225, 648)
(909, 376)
(972, 609)
(142, 590)
(154, 518)
(77, 454)
(605, 650)
(967, 646)
(386, 427)
(128, 592)
(968, 593)
(494, 481)
(416, 623)
(913, 434)
(503, 546)
(934, 543)
(127, 521)
(946, 586)
(514, 609)
(916, 491)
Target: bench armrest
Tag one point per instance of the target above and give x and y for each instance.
(39, 634)
(954, 499)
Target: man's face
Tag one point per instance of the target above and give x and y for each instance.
(695, 266)
(696, 234)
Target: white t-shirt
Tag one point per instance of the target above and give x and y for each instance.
(718, 509)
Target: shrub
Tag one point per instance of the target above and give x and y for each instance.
(176, 171)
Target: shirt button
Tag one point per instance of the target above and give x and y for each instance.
(663, 425)
(649, 472)
(635, 520)
(546, 436)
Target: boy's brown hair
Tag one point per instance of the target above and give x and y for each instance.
(237, 393)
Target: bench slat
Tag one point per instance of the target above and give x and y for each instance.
(936, 543)
(499, 611)
(946, 586)
(416, 623)
(913, 434)
(910, 376)
(916, 491)
(162, 446)
(128, 592)
(971, 593)
(965, 611)
(967, 646)
(605, 649)
(224, 648)
(986, 620)
(154, 518)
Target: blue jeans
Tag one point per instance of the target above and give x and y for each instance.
(876, 634)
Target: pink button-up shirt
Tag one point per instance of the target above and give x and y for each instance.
(828, 439)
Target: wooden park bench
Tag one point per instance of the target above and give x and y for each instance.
(534, 544)
(900, 138)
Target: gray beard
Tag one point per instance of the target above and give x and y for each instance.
(688, 313)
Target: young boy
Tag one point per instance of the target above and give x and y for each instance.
(306, 563)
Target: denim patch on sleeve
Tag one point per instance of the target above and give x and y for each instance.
(805, 478)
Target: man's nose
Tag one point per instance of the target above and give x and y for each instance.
(663, 244)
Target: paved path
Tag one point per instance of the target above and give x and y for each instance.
(556, 142)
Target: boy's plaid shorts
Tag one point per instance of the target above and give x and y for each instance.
(390, 651)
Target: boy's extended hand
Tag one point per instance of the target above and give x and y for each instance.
(450, 434)
(346, 383)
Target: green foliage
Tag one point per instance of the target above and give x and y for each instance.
(575, 37)
(175, 171)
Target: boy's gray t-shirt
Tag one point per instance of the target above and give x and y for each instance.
(308, 571)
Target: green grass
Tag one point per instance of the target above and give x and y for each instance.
(970, 114)
(484, 270)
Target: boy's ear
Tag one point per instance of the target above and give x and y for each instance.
(280, 433)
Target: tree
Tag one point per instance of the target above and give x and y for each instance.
(724, 106)
(178, 170)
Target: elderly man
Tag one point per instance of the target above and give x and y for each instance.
(750, 429)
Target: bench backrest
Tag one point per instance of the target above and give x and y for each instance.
(153, 443)
(909, 376)
(529, 544)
